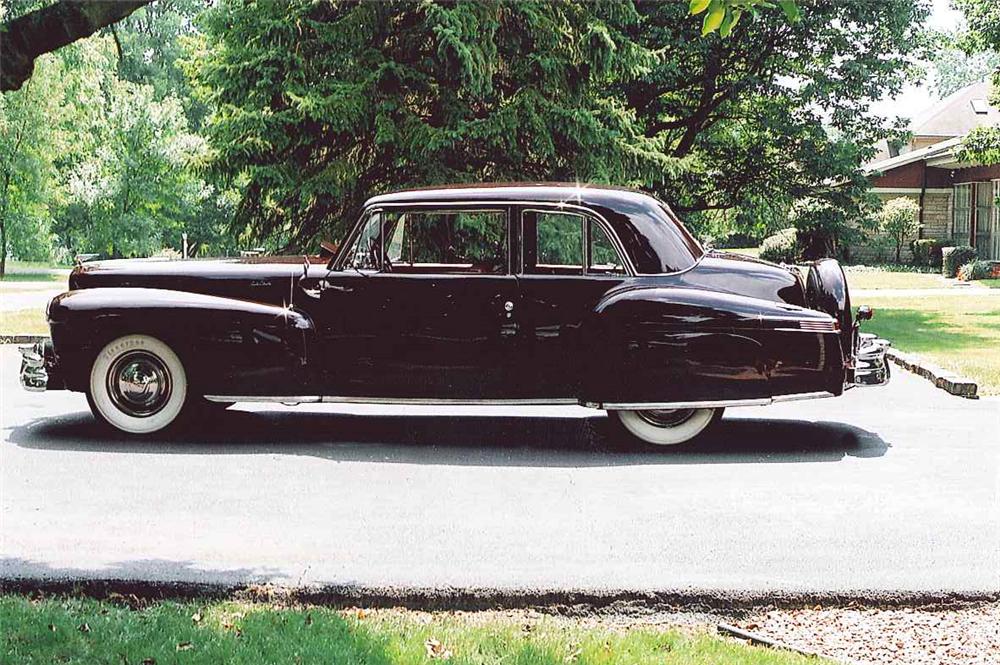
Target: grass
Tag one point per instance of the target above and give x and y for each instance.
(23, 321)
(78, 630)
(957, 332)
(991, 283)
(746, 251)
(33, 277)
(861, 277)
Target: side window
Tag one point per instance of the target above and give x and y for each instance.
(446, 241)
(557, 247)
(554, 245)
(364, 254)
(604, 258)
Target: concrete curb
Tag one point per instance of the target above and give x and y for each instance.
(942, 378)
(21, 339)
(580, 602)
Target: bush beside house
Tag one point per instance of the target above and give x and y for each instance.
(927, 251)
(782, 247)
(955, 257)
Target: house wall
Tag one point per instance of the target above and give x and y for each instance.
(937, 224)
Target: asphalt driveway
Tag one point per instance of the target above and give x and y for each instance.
(883, 490)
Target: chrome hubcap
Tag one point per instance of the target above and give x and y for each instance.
(139, 384)
(666, 417)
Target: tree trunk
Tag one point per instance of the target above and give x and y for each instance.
(44, 30)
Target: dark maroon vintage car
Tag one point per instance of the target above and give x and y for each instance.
(498, 294)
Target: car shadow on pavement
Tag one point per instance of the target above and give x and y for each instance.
(462, 441)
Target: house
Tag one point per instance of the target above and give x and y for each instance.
(957, 200)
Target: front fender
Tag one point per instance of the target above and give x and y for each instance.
(228, 346)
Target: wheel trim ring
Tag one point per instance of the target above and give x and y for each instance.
(139, 384)
(666, 418)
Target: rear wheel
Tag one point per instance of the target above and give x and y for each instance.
(665, 427)
(137, 385)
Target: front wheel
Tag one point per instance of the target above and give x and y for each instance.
(137, 385)
(665, 427)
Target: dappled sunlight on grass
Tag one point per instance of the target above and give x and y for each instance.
(23, 321)
(81, 630)
(960, 333)
(858, 278)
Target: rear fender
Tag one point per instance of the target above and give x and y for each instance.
(668, 344)
(664, 344)
(228, 346)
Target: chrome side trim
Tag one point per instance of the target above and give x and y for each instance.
(426, 401)
(555, 401)
(283, 399)
(706, 404)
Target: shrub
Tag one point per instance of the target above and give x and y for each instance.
(898, 220)
(978, 270)
(954, 257)
(927, 252)
(782, 247)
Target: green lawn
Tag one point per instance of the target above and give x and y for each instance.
(859, 277)
(23, 321)
(75, 630)
(957, 332)
(992, 283)
(33, 277)
(748, 251)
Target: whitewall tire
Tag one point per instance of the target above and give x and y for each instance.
(666, 427)
(137, 385)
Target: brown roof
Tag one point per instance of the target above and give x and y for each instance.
(956, 114)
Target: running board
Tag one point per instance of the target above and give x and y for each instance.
(292, 400)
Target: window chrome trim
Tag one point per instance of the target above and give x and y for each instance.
(509, 204)
(587, 216)
(337, 263)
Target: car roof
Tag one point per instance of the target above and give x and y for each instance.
(548, 192)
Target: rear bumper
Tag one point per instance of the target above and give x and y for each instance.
(37, 362)
(870, 365)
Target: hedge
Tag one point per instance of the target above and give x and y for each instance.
(955, 257)
(927, 252)
(782, 247)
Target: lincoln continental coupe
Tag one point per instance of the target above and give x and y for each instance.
(495, 294)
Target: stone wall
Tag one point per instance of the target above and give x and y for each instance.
(937, 224)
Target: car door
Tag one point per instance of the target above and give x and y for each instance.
(568, 262)
(421, 307)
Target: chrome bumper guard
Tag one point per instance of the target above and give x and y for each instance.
(870, 365)
(34, 373)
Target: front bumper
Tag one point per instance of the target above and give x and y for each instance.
(870, 365)
(36, 360)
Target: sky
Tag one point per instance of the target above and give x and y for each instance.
(914, 100)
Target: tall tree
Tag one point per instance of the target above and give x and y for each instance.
(983, 18)
(24, 38)
(318, 105)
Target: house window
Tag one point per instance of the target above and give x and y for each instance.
(962, 214)
(984, 214)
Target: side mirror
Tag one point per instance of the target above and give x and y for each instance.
(865, 313)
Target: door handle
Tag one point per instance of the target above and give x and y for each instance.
(338, 287)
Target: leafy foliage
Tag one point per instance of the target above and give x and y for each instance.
(782, 247)
(898, 220)
(927, 251)
(314, 107)
(983, 18)
(955, 257)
